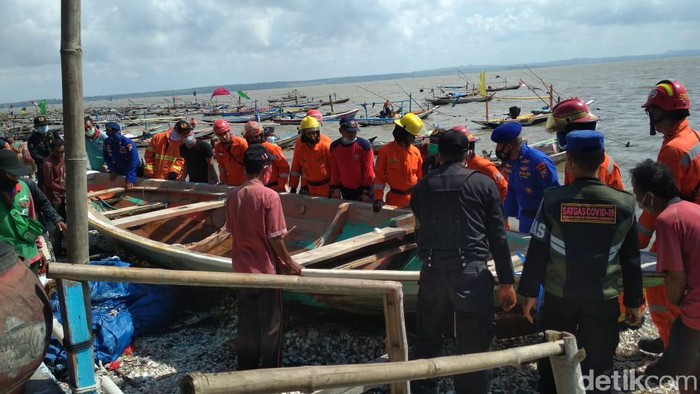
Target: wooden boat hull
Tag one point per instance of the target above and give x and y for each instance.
(458, 99)
(524, 120)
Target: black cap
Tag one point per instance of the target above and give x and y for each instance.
(255, 157)
(40, 121)
(10, 164)
(350, 125)
(183, 126)
(451, 142)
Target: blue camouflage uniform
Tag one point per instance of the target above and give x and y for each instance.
(528, 176)
(121, 155)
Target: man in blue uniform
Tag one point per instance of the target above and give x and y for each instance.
(584, 251)
(529, 172)
(459, 224)
(121, 154)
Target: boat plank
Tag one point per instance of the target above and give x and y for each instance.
(336, 226)
(134, 209)
(143, 218)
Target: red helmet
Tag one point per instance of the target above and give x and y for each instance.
(464, 130)
(314, 113)
(573, 110)
(221, 126)
(669, 96)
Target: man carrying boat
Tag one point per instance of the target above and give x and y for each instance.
(255, 220)
(584, 251)
(574, 114)
(121, 155)
(668, 107)
(229, 152)
(198, 155)
(253, 134)
(399, 164)
(311, 161)
(529, 173)
(162, 157)
(352, 164)
(39, 144)
(677, 229)
(459, 223)
(94, 145)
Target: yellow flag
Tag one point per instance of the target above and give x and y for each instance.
(482, 84)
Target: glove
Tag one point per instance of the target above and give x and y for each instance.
(172, 176)
(377, 206)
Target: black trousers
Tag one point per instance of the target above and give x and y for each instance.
(594, 323)
(681, 358)
(449, 287)
(351, 194)
(259, 341)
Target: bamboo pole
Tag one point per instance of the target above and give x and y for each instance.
(74, 297)
(310, 378)
(566, 367)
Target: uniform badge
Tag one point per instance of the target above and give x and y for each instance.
(588, 213)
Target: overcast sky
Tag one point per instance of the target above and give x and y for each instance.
(149, 45)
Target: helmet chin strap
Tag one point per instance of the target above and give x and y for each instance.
(652, 127)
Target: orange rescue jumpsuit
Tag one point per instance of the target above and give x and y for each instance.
(399, 167)
(313, 165)
(163, 157)
(230, 160)
(608, 173)
(680, 152)
(486, 167)
(280, 168)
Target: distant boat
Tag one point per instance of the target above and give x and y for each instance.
(329, 117)
(456, 98)
(376, 121)
(528, 119)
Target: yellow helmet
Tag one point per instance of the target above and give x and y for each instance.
(411, 123)
(309, 122)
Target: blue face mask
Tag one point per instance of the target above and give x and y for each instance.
(432, 149)
(190, 140)
(43, 129)
(348, 141)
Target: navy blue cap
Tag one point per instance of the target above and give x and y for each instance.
(451, 142)
(349, 124)
(585, 141)
(113, 126)
(506, 132)
(256, 156)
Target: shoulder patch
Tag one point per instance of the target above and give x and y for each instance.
(364, 144)
(588, 213)
(335, 143)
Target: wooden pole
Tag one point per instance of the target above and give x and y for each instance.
(311, 378)
(566, 367)
(74, 297)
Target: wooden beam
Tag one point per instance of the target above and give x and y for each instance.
(113, 190)
(143, 218)
(336, 226)
(134, 209)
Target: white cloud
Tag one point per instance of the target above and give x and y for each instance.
(136, 46)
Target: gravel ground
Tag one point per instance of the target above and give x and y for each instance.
(199, 340)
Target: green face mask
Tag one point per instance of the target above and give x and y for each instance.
(432, 149)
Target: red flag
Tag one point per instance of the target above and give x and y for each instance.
(220, 92)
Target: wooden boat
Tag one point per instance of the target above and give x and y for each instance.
(529, 119)
(376, 121)
(457, 99)
(287, 142)
(328, 117)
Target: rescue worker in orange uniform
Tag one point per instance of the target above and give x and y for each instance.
(228, 152)
(668, 107)
(162, 157)
(399, 164)
(311, 161)
(316, 114)
(574, 114)
(253, 134)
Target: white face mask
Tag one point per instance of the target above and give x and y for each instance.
(348, 141)
(190, 140)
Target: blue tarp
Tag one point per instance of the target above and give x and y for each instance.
(120, 312)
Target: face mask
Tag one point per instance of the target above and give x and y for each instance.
(43, 129)
(348, 141)
(501, 155)
(89, 132)
(190, 140)
(561, 140)
(432, 149)
(310, 140)
(267, 174)
(646, 206)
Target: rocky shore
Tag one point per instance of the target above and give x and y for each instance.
(200, 340)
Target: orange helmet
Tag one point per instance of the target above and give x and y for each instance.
(573, 110)
(315, 114)
(464, 130)
(252, 129)
(221, 127)
(669, 96)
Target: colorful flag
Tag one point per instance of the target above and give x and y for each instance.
(220, 92)
(42, 107)
(242, 94)
(482, 84)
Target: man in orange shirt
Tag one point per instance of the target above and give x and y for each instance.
(162, 157)
(668, 107)
(573, 114)
(253, 134)
(228, 152)
(311, 161)
(399, 164)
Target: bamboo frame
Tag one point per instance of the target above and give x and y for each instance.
(137, 220)
(311, 378)
(392, 292)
